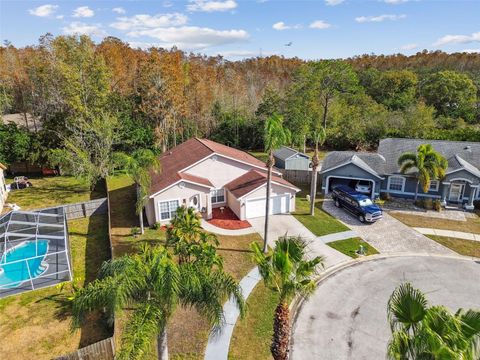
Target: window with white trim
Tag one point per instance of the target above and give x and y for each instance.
(433, 185)
(396, 183)
(168, 209)
(217, 196)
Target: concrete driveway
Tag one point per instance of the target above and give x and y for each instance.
(346, 316)
(388, 234)
(280, 225)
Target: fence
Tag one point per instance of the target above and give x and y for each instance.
(102, 350)
(85, 209)
(298, 176)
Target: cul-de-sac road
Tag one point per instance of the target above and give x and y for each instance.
(346, 317)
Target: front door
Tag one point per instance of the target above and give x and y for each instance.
(456, 191)
(195, 202)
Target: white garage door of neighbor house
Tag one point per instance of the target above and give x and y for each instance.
(278, 205)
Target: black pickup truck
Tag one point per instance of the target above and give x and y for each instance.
(358, 204)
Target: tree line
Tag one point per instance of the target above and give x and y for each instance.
(95, 99)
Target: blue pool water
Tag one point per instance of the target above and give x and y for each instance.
(13, 275)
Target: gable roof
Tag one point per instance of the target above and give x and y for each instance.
(285, 153)
(370, 162)
(174, 161)
(252, 180)
(457, 163)
(392, 148)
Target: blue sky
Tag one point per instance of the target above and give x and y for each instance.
(236, 28)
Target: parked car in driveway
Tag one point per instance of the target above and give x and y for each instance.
(358, 204)
(363, 186)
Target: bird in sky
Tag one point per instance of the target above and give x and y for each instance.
(289, 44)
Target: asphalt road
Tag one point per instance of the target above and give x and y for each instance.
(346, 316)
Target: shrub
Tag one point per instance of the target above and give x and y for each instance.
(135, 231)
(437, 205)
(419, 203)
(156, 226)
(385, 196)
(428, 204)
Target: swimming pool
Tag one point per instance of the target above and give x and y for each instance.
(14, 271)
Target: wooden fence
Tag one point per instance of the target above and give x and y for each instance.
(298, 176)
(85, 209)
(102, 350)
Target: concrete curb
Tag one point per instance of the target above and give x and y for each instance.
(216, 230)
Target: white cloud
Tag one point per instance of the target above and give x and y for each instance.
(60, 17)
(119, 10)
(333, 2)
(211, 6)
(319, 24)
(409, 46)
(143, 22)
(282, 26)
(192, 37)
(44, 10)
(79, 28)
(471, 50)
(83, 11)
(458, 39)
(379, 18)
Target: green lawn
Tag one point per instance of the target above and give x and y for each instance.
(350, 246)
(321, 223)
(252, 335)
(461, 246)
(472, 225)
(36, 324)
(52, 191)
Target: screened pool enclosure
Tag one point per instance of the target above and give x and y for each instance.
(34, 250)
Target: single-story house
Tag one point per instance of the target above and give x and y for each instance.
(291, 159)
(461, 184)
(203, 174)
(3, 186)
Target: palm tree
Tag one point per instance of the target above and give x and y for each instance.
(319, 136)
(430, 333)
(275, 135)
(151, 284)
(286, 271)
(429, 163)
(138, 167)
(188, 239)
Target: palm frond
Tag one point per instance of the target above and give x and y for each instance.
(406, 307)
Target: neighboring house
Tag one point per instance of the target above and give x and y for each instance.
(290, 159)
(3, 186)
(204, 175)
(461, 184)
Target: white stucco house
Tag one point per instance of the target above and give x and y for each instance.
(203, 174)
(3, 186)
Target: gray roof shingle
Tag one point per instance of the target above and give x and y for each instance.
(285, 152)
(373, 161)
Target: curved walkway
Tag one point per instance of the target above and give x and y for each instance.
(346, 318)
(219, 344)
(215, 229)
(448, 233)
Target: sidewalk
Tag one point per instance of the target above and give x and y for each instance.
(448, 233)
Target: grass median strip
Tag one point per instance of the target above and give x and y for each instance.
(461, 246)
(471, 225)
(350, 247)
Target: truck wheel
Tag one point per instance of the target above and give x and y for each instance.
(361, 218)
(337, 203)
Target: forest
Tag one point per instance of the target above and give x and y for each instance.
(93, 99)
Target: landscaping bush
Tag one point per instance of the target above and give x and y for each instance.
(385, 196)
(428, 204)
(156, 226)
(135, 231)
(476, 204)
(419, 203)
(437, 205)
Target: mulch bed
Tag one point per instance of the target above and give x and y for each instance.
(227, 220)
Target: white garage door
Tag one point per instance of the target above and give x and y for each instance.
(278, 205)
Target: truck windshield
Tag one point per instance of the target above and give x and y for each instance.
(365, 202)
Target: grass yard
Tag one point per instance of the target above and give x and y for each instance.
(36, 325)
(187, 331)
(252, 335)
(461, 246)
(321, 223)
(52, 191)
(471, 225)
(350, 246)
